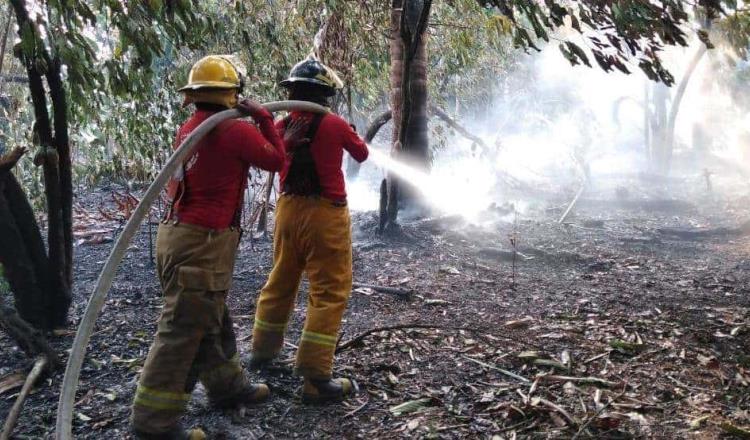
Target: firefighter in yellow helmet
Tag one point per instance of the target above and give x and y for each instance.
(196, 247)
(312, 236)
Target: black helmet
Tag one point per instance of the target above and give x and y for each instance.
(312, 71)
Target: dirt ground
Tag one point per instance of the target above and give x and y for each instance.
(607, 327)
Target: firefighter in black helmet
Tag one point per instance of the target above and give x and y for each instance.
(312, 236)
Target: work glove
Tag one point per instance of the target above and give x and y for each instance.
(253, 109)
(295, 133)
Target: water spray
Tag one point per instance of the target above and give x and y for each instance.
(449, 194)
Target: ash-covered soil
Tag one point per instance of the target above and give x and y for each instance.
(602, 328)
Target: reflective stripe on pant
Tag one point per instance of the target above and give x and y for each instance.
(313, 236)
(195, 339)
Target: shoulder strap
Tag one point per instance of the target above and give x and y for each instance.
(312, 130)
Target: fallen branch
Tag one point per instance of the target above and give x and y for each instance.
(29, 339)
(398, 291)
(595, 416)
(15, 411)
(559, 409)
(498, 369)
(514, 426)
(692, 234)
(8, 161)
(583, 380)
(355, 340)
(734, 430)
(572, 204)
(502, 254)
(352, 166)
(437, 111)
(357, 409)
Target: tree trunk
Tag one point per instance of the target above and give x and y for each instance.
(263, 216)
(18, 268)
(411, 112)
(22, 251)
(659, 98)
(408, 48)
(675, 108)
(62, 146)
(646, 120)
(54, 273)
(3, 47)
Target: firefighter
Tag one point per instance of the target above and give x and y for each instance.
(312, 236)
(196, 247)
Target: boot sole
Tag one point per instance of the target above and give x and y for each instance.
(310, 399)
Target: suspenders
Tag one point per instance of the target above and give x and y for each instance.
(302, 178)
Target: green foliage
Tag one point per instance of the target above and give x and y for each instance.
(124, 60)
(614, 33)
(732, 32)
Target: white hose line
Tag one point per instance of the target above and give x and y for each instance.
(63, 427)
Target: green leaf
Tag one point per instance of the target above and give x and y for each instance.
(410, 406)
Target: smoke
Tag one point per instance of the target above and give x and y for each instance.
(553, 126)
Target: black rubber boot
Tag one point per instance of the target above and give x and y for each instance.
(253, 362)
(327, 390)
(249, 395)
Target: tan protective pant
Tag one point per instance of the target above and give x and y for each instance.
(194, 338)
(312, 235)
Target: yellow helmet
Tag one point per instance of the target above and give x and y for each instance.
(213, 72)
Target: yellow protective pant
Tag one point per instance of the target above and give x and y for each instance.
(195, 339)
(312, 235)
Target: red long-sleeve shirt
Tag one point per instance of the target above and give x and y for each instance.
(216, 173)
(334, 135)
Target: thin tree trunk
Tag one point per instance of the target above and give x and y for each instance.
(675, 108)
(414, 117)
(62, 145)
(659, 98)
(263, 216)
(4, 45)
(646, 120)
(397, 60)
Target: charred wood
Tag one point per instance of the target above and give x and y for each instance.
(398, 291)
(695, 234)
(15, 411)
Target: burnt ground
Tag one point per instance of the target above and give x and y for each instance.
(605, 328)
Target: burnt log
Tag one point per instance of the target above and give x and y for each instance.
(701, 233)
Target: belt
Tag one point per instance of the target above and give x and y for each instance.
(336, 203)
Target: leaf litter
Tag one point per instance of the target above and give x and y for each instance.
(597, 336)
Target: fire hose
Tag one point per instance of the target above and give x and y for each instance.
(63, 427)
